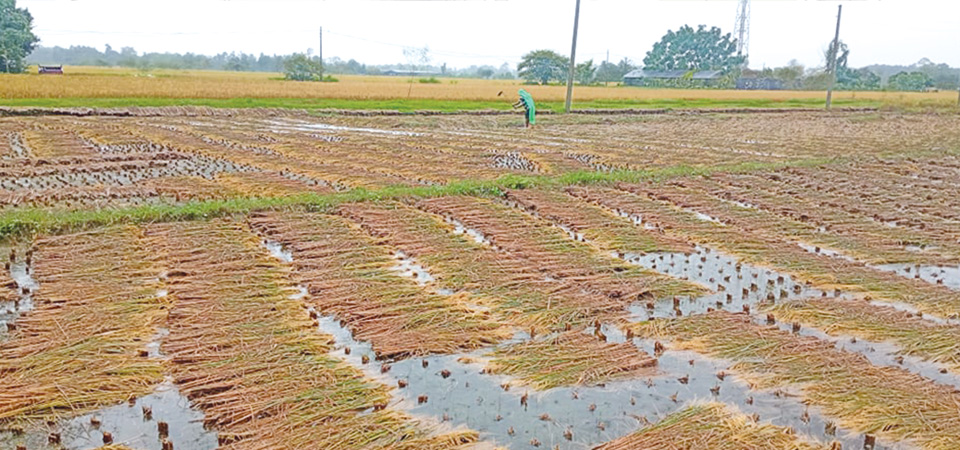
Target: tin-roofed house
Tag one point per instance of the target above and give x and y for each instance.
(50, 70)
(673, 78)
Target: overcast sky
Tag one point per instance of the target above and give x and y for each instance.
(467, 32)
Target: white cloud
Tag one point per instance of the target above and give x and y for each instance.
(462, 33)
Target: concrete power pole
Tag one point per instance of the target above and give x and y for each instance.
(833, 59)
(573, 59)
(320, 52)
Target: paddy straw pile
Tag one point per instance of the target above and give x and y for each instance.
(890, 403)
(350, 276)
(914, 335)
(83, 347)
(911, 197)
(252, 360)
(597, 225)
(549, 248)
(711, 426)
(514, 288)
(785, 210)
(573, 358)
(825, 272)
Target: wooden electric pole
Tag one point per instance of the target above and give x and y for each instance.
(833, 58)
(573, 59)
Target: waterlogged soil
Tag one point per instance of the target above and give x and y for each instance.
(881, 354)
(948, 276)
(735, 285)
(455, 390)
(128, 424)
(26, 287)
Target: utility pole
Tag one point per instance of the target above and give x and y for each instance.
(833, 59)
(573, 59)
(321, 53)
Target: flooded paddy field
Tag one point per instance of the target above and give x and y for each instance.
(258, 281)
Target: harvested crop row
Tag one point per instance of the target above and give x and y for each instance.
(334, 174)
(873, 244)
(891, 403)
(711, 426)
(83, 346)
(514, 288)
(348, 275)
(925, 186)
(251, 359)
(547, 247)
(913, 335)
(571, 358)
(267, 184)
(596, 224)
(53, 144)
(823, 271)
(842, 213)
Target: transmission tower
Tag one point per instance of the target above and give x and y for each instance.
(742, 28)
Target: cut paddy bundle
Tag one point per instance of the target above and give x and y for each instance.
(890, 403)
(79, 349)
(914, 335)
(571, 358)
(514, 287)
(252, 360)
(549, 248)
(595, 224)
(348, 275)
(827, 273)
(713, 426)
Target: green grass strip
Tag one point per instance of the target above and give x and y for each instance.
(28, 221)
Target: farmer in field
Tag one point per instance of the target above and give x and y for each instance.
(526, 100)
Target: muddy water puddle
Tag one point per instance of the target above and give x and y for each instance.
(884, 354)
(455, 391)
(948, 276)
(26, 286)
(322, 127)
(137, 425)
(735, 286)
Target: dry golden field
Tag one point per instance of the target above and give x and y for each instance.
(104, 83)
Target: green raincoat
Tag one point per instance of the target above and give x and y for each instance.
(531, 107)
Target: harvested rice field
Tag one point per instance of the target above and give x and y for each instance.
(196, 279)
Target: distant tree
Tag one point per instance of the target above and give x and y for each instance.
(689, 49)
(485, 72)
(543, 66)
(585, 72)
(16, 37)
(849, 79)
(299, 67)
(608, 72)
(910, 81)
(790, 75)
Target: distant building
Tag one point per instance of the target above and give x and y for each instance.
(642, 77)
(50, 70)
(759, 84)
(410, 73)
